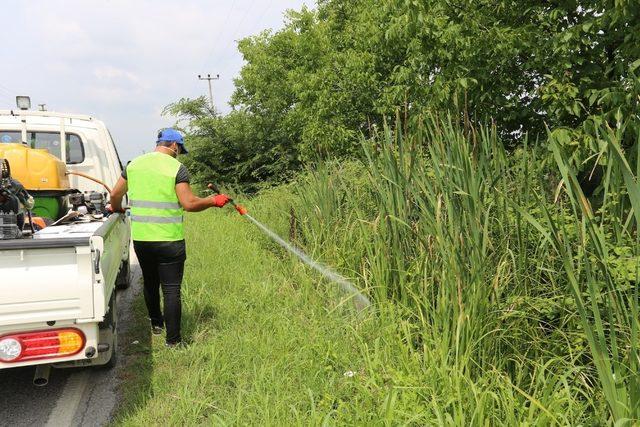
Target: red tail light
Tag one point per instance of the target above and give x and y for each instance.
(36, 345)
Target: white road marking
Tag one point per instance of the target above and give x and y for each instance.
(67, 404)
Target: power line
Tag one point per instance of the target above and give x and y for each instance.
(216, 39)
(244, 17)
(10, 92)
(7, 91)
(9, 101)
(3, 86)
(264, 12)
(256, 24)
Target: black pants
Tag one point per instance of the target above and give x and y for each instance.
(162, 264)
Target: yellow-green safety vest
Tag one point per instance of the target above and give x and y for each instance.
(156, 213)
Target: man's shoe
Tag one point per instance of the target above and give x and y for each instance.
(157, 330)
(176, 345)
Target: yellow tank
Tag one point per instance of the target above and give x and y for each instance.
(35, 169)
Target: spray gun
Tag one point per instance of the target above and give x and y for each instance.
(241, 210)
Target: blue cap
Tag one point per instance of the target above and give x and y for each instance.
(172, 135)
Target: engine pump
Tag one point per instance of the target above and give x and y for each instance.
(15, 202)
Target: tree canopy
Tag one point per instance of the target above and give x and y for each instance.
(332, 74)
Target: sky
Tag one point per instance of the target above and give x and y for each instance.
(123, 61)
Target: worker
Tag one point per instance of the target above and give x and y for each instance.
(159, 193)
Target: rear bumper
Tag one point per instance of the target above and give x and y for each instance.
(90, 331)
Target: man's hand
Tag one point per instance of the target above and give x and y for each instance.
(191, 203)
(219, 200)
(110, 209)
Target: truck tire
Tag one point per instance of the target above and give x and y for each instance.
(110, 325)
(113, 360)
(124, 275)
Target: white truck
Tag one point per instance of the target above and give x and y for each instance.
(58, 282)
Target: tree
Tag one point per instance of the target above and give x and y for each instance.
(312, 89)
(234, 149)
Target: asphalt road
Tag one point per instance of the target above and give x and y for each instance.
(76, 397)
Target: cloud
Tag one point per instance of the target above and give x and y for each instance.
(123, 60)
(109, 72)
(115, 84)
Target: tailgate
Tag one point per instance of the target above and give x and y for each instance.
(45, 284)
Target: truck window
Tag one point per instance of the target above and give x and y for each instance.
(10, 137)
(75, 149)
(113, 144)
(50, 141)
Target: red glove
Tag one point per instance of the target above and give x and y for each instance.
(219, 200)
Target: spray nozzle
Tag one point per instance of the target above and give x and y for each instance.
(241, 209)
(213, 188)
(216, 190)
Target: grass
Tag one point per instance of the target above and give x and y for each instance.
(273, 345)
(266, 345)
(502, 296)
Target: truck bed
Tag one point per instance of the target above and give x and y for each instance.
(58, 236)
(64, 272)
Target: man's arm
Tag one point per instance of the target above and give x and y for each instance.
(117, 193)
(192, 203)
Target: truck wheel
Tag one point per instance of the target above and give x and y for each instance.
(124, 275)
(113, 360)
(109, 327)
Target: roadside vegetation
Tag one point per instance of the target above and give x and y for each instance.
(337, 72)
(501, 295)
(507, 279)
(473, 167)
(269, 344)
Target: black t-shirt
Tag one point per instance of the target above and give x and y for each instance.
(181, 176)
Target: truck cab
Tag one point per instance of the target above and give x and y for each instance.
(58, 281)
(81, 142)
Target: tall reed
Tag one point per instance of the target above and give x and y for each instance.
(606, 301)
(498, 271)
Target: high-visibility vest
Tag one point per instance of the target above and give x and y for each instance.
(156, 214)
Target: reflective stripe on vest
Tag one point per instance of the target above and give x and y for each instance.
(153, 205)
(156, 214)
(156, 219)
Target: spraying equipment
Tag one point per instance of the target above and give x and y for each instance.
(40, 173)
(14, 203)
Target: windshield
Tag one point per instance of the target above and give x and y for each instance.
(10, 137)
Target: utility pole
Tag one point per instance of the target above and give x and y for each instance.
(209, 78)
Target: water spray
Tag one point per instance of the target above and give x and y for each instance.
(360, 300)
